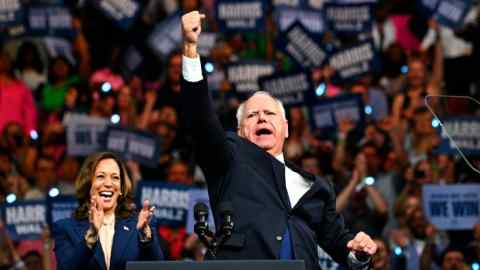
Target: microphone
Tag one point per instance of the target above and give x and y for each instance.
(200, 212)
(226, 212)
(362, 256)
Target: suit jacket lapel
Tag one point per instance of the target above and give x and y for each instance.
(82, 227)
(280, 185)
(124, 231)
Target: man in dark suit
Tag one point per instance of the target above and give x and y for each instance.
(281, 212)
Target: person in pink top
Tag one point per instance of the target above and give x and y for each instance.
(16, 100)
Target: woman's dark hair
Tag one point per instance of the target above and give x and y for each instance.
(51, 76)
(83, 184)
(22, 62)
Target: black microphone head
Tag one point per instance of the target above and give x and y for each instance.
(200, 209)
(226, 208)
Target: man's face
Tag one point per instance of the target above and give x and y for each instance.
(416, 73)
(263, 124)
(45, 175)
(453, 261)
(175, 68)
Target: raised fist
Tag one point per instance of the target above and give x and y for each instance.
(192, 26)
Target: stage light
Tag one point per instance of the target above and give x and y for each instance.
(369, 180)
(115, 118)
(11, 198)
(404, 69)
(368, 109)
(435, 122)
(54, 192)
(209, 67)
(34, 134)
(106, 87)
(320, 91)
(475, 266)
(398, 251)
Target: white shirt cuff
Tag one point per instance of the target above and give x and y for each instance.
(192, 69)
(356, 264)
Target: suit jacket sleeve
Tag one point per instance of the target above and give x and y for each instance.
(332, 235)
(71, 252)
(150, 250)
(214, 153)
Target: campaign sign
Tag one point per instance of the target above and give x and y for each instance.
(452, 207)
(427, 7)
(85, 134)
(289, 3)
(12, 19)
(25, 220)
(11, 12)
(349, 19)
(171, 201)
(290, 88)
(122, 12)
(241, 15)
(327, 113)
(198, 196)
(244, 74)
(353, 62)
(298, 43)
(166, 36)
(464, 133)
(51, 20)
(310, 19)
(136, 145)
(206, 42)
(60, 207)
(451, 13)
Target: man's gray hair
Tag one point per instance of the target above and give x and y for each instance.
(241, 108)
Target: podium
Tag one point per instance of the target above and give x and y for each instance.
(219, 265)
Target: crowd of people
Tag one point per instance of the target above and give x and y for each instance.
(394, 149)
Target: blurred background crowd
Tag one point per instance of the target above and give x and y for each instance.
(378, 168)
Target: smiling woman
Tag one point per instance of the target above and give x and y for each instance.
(104, 226)
(91, 176)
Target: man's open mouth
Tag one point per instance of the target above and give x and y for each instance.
(263, 131)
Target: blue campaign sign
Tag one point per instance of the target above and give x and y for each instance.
(198, 196)
(11, 12)
(60, 207)
(136, 145)
(171, 201)
(452, 13)
(302, 46)
(427, 7)
(241, 15)
(50, 20)
(461, 132)
(289, 3)
(327, 113)
(353, 62)
(12, 19)
(85, 134)
(25, 220)
(309, 18)
(166, 36)
(122, 12)
(452, 207)
(349, 19)
(291, 88)
(244, 75)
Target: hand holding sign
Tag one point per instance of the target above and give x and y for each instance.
(191, 29)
